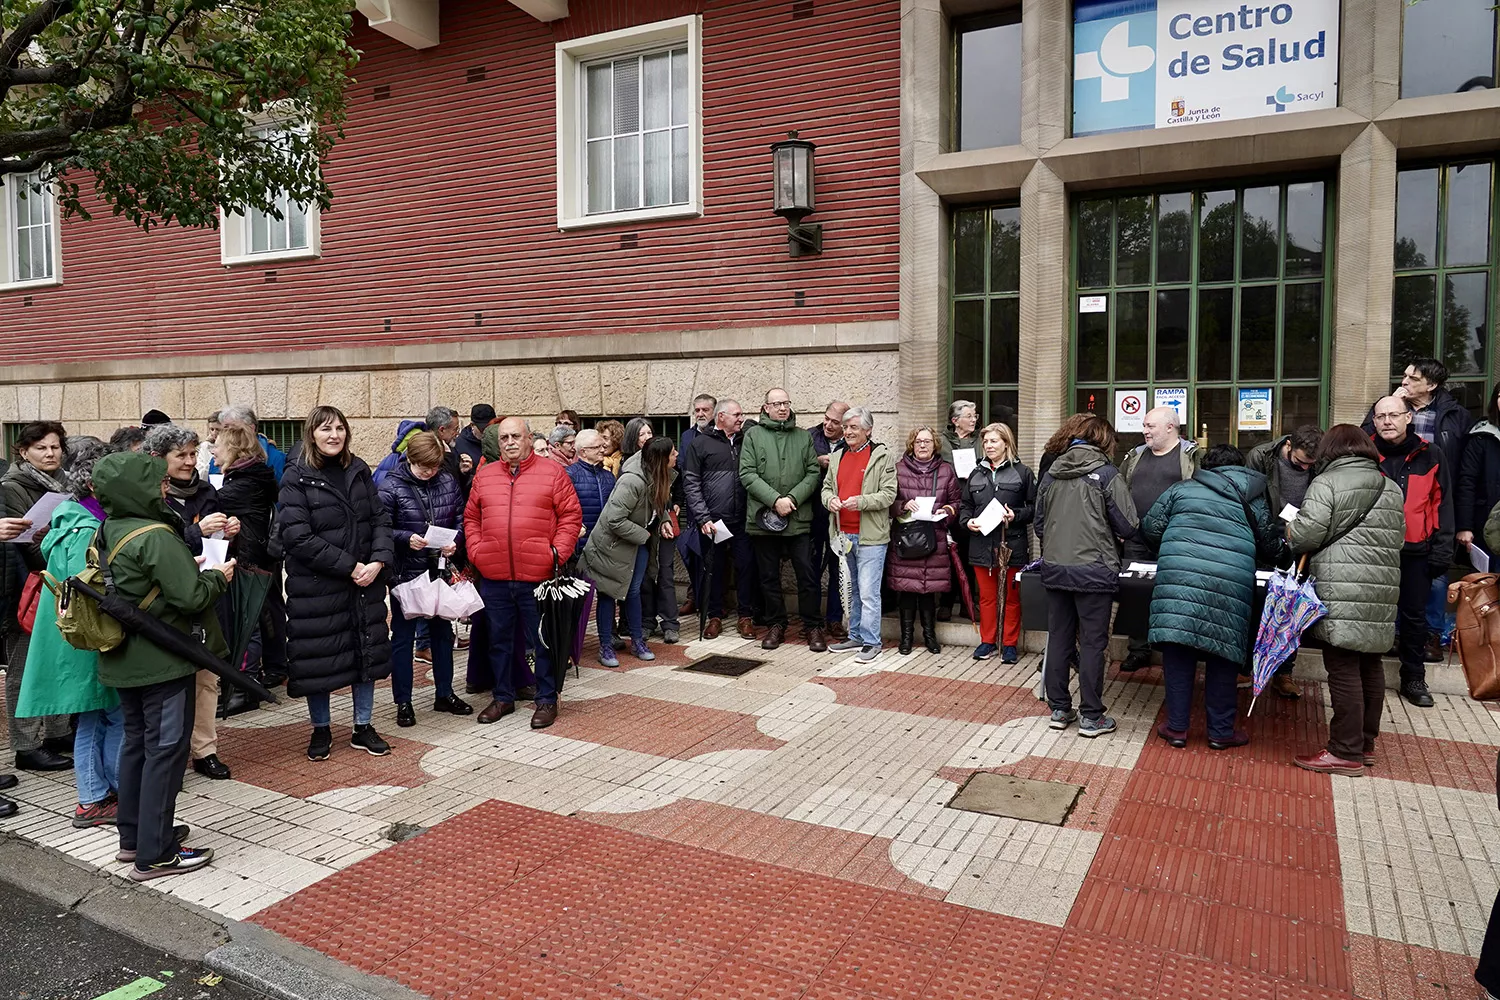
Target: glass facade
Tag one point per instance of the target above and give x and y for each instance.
(985, 318)
(1209, 291)
(987, 75)
(1447, 47)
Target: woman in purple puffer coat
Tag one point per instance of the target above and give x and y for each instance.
(922, 473)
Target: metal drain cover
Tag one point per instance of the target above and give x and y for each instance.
(1017, 798)
(724, 666)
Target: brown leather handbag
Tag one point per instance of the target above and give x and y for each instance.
(1478, 636)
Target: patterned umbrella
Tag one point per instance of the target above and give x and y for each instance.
(843, 548)
(1292, 607)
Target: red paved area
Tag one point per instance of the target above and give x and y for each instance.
(936, 697)
(276, 758)
(663, 728)
(1428, 761)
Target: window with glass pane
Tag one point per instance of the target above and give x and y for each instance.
(1447, 47)
(31, 236)
(1212, 291)
(1445, 272)
(986, 310)
(988, 93)
(267, 234)
(636, 130)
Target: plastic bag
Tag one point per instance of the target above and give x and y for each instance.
(459, 601)
(419, 598)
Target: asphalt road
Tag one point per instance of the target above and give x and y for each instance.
(50, 954)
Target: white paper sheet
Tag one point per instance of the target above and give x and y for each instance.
(40, 515)
(1141, 567)
(1289, 513)
(924, 508)
(215, 553)
(440, 538)
(721, 532)
(1480, 559)
(989, 518)
(216, 480)
(964, 462)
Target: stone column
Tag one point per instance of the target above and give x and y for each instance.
(1046, 72)
(1363, 276)
(1044, 398)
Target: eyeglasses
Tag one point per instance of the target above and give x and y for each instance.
(1388, 417)
(778, 402)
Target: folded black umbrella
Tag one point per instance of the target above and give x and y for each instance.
(157, 632)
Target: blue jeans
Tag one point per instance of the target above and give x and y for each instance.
(633, 595)
(404, 633)
(364, 705)
(864, 602)
(1179, 669)
(96, 753)
(1437, 607)
(507, 602)
(424, 638)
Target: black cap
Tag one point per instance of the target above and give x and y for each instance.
(482, 413)
(153, 417)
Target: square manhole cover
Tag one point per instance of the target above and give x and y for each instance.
(724, 666)
(1017, 798)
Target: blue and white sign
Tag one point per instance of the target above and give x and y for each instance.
(1163, 63)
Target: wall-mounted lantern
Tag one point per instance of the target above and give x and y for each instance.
(795, 193)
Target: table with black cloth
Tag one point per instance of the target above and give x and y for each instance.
(1133, 614)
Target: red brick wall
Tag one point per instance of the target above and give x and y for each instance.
(445, 203)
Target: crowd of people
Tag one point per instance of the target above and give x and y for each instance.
(949, 520)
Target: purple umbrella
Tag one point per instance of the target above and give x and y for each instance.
(1292, 607)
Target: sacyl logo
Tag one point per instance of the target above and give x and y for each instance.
(1280, 99)
(1114, 63)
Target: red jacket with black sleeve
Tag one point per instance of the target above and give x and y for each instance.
(1418, 468)
(514, 520)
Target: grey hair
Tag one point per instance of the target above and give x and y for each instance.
(561, 433)
(862, 414)
(238, 414)
(163, 439)
(723, 405)
(702, 396)
(959, 406)
(588, 438)
(83, 452)
(441, 416)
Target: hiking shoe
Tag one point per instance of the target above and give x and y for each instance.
(321, 744)
(847, 646)
(1096, 727)
(186, 859)
(101, 813)
(367, 739)
(670, 637)
(867, 654)
(1009, 655)
(607, 657)
(180, 831)
(1416, 693)
(985, 651)
(641, 651)
(1062, 718)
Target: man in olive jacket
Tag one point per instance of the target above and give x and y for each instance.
(156, 687)
(1492, 529)
(780, 472)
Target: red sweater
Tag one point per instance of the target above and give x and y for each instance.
(514, 521)
(851, 483)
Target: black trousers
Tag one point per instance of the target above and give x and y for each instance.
(659, 593)
(1356, 690)
(158, 732)
(1137, 551)
(273, 629)
(770, 550)
(1411, 618)
(737, 557)
(1082, 618)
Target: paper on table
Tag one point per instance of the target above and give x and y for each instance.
(964, 462)
(1289, 513)
(440, 538)
(216, 480)
(722, 532)
(215, 552)
(40, 515)
(1479, 558)
(1140, 567)
(991, 516)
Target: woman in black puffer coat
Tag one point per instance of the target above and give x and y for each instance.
(419, 493)
(337, 539)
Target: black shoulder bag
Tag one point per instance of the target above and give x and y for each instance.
(917, 539)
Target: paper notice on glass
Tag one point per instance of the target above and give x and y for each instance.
(440, 538)
(964, 462)
(989, 518)
(216, 480)
(722, 533)
(1289, 513)
(40, 515)
(215, 553)
(1479, 558)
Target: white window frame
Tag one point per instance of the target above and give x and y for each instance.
(8, 255)
(572, 155)
(234, 229)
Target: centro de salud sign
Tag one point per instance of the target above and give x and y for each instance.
(1164, 63)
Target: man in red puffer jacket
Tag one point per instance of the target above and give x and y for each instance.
(522, 514)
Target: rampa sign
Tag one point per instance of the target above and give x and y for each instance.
(1190, 61)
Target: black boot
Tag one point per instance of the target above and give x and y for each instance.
(929, 631)
(908, 626)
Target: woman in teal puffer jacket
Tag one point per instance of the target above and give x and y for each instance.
(1210, 531)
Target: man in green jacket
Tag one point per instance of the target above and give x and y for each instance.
(780, 472)
(1492, 529)
(154, 568)
(858, 493)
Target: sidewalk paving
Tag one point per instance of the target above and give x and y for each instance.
(786, 834)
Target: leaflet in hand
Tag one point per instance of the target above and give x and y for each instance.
(40, 515)
(925, 510)
(440, 538)
(1289, 513)
(964, 462)
(721, 532)
(216, 480)
(991, 517)
(1479, 558)
(215, 553)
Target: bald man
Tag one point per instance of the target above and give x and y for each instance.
(1149, 471)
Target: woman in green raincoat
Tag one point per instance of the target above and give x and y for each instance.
(61, 680)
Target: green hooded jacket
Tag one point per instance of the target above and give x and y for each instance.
(1492, 529)
(777, 460)
(490, 445)
(61, 680)
(129, 488)
(609, 555)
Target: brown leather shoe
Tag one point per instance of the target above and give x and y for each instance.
(746, 628)
(837, 632)
(1284, 686)
(817, 641)
(495, 711)
(544, 716)
(688, 607)
(775, 636)
(1327, 763)
(713, 629)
